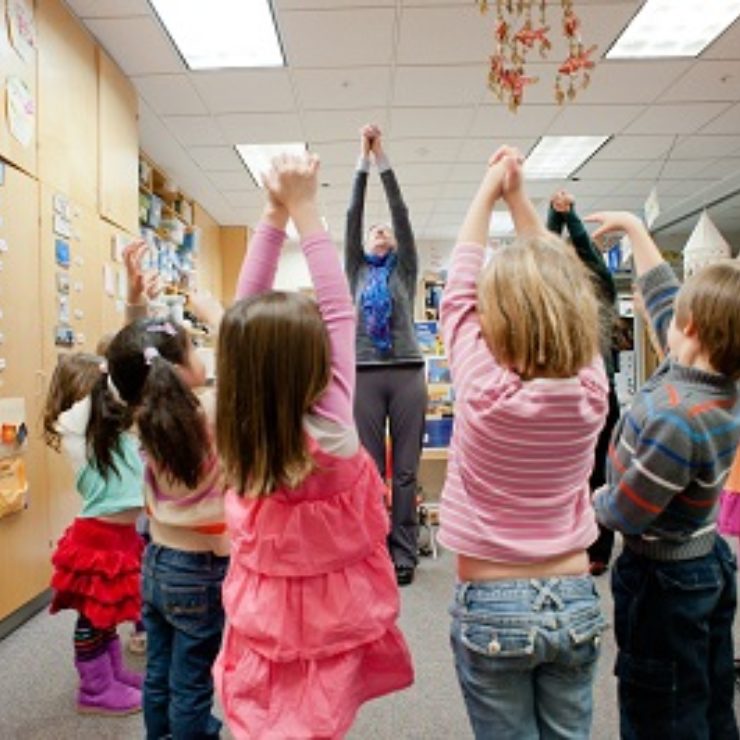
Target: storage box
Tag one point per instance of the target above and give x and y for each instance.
(438, 432)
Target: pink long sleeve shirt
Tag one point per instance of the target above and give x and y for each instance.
(331, 421)
(522, 451)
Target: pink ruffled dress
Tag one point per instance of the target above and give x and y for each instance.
(729, 512)
(311, 603)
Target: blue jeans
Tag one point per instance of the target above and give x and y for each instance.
(673, 624)
(184, 619)
(525, 653)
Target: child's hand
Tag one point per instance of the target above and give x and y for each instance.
(376, 142)
(138, 282)
(293, 181)
(613, 221)
(562, 201)
(367, 133)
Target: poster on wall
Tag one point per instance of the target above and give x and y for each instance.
(22, 27)
(13, 446)
(21, 110)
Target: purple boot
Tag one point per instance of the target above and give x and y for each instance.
(100, 693)
(120, 672)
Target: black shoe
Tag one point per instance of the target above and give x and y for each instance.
(404, 575)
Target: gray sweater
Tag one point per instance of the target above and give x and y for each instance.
(403, 278)
(671, 450)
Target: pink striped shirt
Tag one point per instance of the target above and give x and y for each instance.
(522, 451)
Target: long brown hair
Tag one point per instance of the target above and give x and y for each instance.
(171, 422)
(74, 378)
(538, 309)
(273, 364)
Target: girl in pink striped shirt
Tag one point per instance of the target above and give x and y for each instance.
(531, 397)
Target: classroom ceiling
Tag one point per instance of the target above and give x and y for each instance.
(418, 69)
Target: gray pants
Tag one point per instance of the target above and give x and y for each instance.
(397, 393)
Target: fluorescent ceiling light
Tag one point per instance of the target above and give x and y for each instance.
(558, 157)
(222, 34)
(674, 28)
(258, 157)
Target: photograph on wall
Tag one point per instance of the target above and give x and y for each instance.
(438, 370)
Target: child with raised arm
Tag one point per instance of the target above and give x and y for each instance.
(531, 397)
(674, 583)
(310, 597)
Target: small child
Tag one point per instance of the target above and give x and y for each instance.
(154, 370)
(311, 596)
(674, 583)
(97, 561)
(531, 398)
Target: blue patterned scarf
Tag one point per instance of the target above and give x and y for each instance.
(376, 301)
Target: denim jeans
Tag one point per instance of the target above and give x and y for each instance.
(184, 619)
(673, 624)
(525, 653)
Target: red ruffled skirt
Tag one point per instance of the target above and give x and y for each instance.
(97, 572)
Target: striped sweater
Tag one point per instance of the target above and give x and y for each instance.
(521, 453)
(672, 449)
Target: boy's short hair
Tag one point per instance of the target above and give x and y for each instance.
(711, 299)
(538, 309)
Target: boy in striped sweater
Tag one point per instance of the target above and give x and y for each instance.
(674, 584)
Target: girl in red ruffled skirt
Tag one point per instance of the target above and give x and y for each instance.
(97, 562)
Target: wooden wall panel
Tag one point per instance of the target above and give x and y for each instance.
(24, 537)
(113, 310)
(118, 144)
(68, 104)
(13, 65)
(233, 243)
(209, 266)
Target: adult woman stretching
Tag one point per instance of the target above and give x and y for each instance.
(382, 276)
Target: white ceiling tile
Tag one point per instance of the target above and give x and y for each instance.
(260, 128)
(636, 147)
(330, 4)
(216, 158)
(231, 91)
(721, 168)
(675, 119)
(471, 172)
(479, 150)
(337, 153)
(233, 180)
(727, 123)
(138, 45)
(432, 121)
(340, 125)
(636, 188)
(593, 120)
(676, 188)
(613, 81)
(581, 187)
(195, 130)
(615, 169)
(423, 149)
(170, 94)
(436, 86)
(337, 38)
(497, 121)
(419, 174)
(707, 80)
(727, 46)
(109, 8)
(445, 36)
(357, 87)
(702, 147)
(674, 169)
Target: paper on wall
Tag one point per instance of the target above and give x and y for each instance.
(21, 110)
(22, 27)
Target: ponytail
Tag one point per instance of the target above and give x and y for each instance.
(172, 424)
(109, 418)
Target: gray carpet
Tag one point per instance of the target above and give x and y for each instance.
(37, 678)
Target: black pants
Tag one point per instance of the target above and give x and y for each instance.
(601, 550)
(397, 393)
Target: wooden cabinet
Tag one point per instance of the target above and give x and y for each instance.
(118, 163)
(210, 266)
(68, 104)
(233, 244)
(24, 537)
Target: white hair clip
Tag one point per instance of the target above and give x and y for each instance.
(150, 353)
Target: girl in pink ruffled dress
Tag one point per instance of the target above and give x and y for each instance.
(310, 597)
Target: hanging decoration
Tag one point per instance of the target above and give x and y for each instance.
(521, 27)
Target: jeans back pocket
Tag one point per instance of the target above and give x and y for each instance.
(584, 632)
(498, 642)
(185, 607)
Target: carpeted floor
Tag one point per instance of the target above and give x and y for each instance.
(37, 678)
